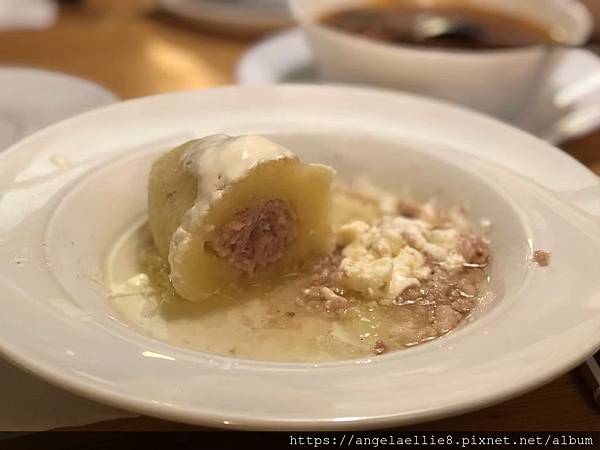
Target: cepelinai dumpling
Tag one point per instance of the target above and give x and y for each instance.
(227, 210)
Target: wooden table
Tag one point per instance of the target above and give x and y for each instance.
(141, 54)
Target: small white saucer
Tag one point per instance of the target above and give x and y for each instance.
(241, 16)
(568, 106)
(33, 99)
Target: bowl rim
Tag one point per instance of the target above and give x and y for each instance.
(577, 10)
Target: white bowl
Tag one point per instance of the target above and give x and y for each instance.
(498, 82)
(594, 8)
(57, 222)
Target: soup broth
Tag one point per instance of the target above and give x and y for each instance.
(314, 314)
(482, 29)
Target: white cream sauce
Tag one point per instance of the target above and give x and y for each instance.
(216, 162)
(219, 160)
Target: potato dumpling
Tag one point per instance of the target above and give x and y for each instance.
(221, 223)
(171, 193)
(349, 206)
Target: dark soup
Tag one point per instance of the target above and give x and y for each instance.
(465, 26)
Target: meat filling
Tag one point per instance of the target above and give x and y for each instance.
(475, 250)
(256, 237)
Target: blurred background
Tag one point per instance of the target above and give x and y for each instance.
(141, 47)
(132, 48)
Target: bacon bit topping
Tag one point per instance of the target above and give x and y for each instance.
(408, 209)
(334, 302)
(379, 348)
(541, 258)
(474, 249)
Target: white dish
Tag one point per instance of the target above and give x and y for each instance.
(243, 16)
(32, 99)
(567, 105)
(57, 222)
(594, 7)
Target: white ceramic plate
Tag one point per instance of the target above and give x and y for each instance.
(246, 16)
(568, 105)
(58, 220)
(32, 99)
